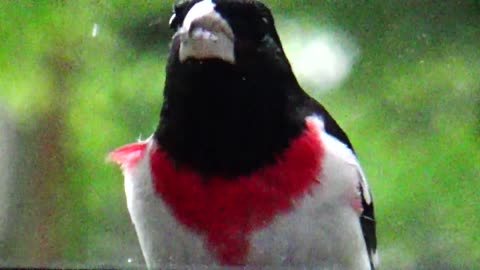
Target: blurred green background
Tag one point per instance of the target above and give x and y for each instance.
(79, 78)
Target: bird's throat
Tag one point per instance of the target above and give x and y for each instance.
(225, 122)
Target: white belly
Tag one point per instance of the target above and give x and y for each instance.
(316, 235)
(325, 236)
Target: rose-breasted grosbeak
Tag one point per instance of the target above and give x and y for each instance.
(244, 168)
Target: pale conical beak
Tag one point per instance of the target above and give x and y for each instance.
(205, 34)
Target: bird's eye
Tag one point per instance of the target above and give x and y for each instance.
(173, 22)
(265, 20)
(178, 14)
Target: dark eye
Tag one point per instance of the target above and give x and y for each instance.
(174, 21)
(249, 20)
(178, 14)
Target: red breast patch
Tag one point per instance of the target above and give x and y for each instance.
(227, 211)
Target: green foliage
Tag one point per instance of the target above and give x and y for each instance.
(411, 107)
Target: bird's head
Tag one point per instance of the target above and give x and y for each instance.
(237, 32)
(229, 88)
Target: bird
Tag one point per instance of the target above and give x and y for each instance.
(244, 168)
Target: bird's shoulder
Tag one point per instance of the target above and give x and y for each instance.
(128, 155)
(340, 159)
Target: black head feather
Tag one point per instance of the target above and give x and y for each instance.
(229, 119)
